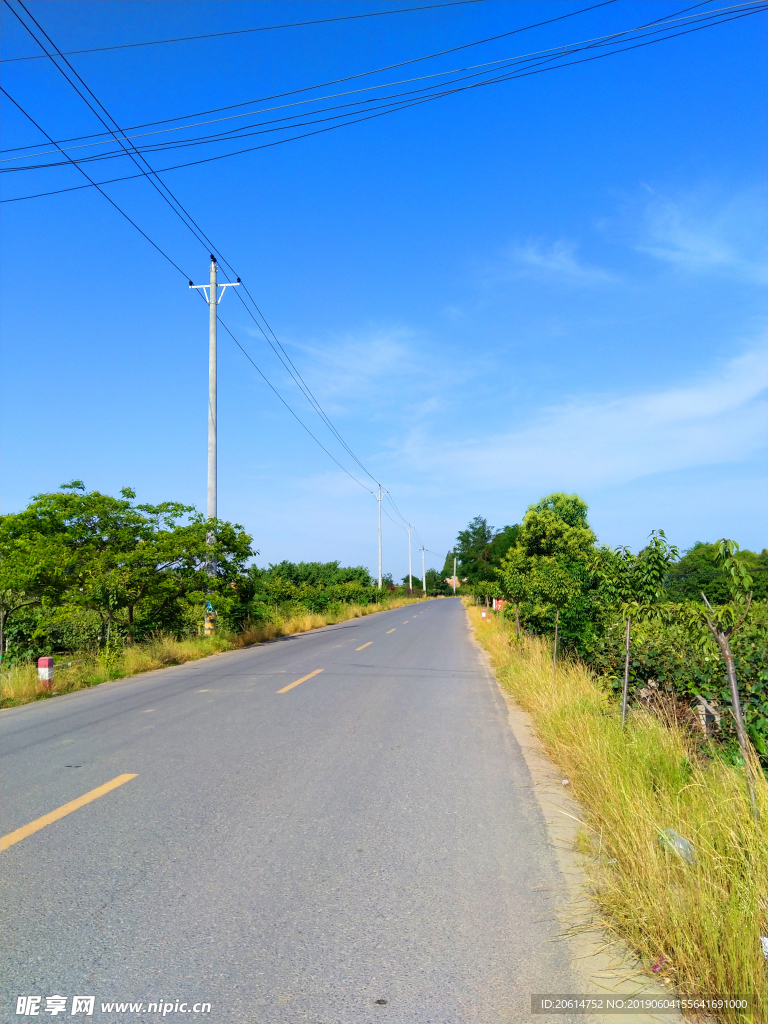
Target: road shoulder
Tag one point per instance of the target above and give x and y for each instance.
(603, 964)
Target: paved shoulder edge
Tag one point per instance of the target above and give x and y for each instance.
(601, 961)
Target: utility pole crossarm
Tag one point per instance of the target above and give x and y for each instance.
(206, 289)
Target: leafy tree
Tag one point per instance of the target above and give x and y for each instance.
(700, 570)
(557, 526)
(436, 582)
(636, 583)
(479, 550)
(514, 579)
(484, 590)
(110, 555)
(553, 583)
(33, 570)
(723, 621)
(502, 541)
(320, 573)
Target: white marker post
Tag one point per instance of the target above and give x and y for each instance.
(45, 672)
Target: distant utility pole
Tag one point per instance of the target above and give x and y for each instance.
(454, 577)
(378, 496)
(423, 574)
(410, 574)
(213, 298)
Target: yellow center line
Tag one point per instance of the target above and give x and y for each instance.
(62, 812)
(303, 679)
(364, 645)
(391, 630)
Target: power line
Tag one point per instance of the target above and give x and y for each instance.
(290, 410)
(200, 235)
(364, 74)
(98, 187)
(540, 54)
(405, 104)
(151, 172)
(226, 328)
(246, 31)
(157, 184)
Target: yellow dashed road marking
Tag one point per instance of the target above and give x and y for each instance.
(364, 645)
(62, 812)
(303, 679)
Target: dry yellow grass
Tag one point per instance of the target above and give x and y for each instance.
(19, 684)
(701, 921)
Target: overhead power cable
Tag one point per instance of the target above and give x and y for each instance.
(98, 187)
(290, 410)
(226, 328)
(247, 31)
(189, 222)
(157, 183)
(197, 231)
(539, 54)
(134, 153)
(417, 100)
(364, 74)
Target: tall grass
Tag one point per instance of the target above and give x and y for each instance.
(19, 684)
(701, 922)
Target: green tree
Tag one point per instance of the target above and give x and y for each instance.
(699, 570)
(33, 570)
(557, 526)
(723, 621)
(479, 549)
(636, 584)
(514, 579)
(111, 555)
(551, 582)
(485, 590)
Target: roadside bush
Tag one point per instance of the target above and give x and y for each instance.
(662, 654)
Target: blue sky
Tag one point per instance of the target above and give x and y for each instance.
(554, 283)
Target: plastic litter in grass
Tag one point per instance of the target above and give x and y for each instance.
(674, 841)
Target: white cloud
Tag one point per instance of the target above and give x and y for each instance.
(700, 235)
(610, 441)
(557, 261)
(359, 364)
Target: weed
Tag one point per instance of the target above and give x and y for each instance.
(701, 922)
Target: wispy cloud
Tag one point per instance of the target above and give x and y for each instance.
(381, 370)
(700, 234)
(555, 262)
(715, 419)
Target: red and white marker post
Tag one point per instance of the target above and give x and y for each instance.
(45, 672)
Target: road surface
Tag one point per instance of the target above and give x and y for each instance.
(362, 846)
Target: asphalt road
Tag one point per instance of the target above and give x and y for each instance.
(369, 834)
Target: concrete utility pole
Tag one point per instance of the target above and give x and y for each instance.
(423, 574)
(410, 574)
(454, 577)
(378, 497)
(213, 298)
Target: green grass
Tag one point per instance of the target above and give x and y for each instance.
(704, 920)
(19, 684)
